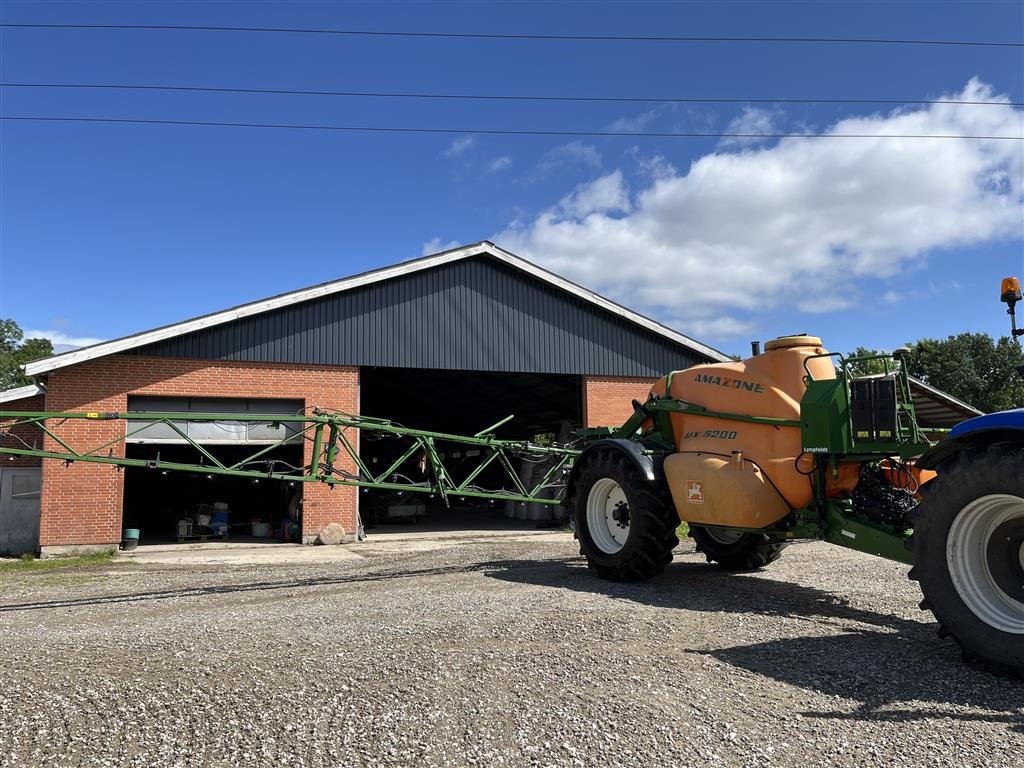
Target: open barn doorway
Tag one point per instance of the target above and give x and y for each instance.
(176, 506)
(545, 407)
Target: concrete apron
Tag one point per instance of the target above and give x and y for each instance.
(250, 553)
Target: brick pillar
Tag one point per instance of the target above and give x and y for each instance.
(320, 504)
(80, 505)
(607, 400)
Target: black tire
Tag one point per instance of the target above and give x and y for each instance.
(651, 513)
(960, 482)
(749, 552)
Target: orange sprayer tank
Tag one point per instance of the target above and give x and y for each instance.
(709, 482)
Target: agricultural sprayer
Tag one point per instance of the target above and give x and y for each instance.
(789, 445)
(754, 455)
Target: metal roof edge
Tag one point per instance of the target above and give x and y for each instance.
(945, 396)
(938, 393)
(289, 298)
(20, 393)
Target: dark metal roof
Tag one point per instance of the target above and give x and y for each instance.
(476, 313)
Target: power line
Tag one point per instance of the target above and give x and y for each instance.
(502, 97)
(502, 131)
(513, 36)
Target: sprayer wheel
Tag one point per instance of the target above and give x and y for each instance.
(736, 550)
(968, 546)
(625, 523)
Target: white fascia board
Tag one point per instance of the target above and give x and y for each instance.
(295, 297)
(19, 393)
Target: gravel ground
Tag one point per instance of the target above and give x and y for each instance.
(501, 652)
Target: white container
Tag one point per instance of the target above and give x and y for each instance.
(261, 530)
(526, 477)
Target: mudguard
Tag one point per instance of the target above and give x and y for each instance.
(650, 466)
(1000, 427)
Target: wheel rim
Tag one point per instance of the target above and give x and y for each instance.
(608, 515)
(985, 557)
(724, 536)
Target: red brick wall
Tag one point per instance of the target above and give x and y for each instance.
(33, 436)
(81, 503)
(607, 401)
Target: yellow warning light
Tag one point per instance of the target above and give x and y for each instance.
(1009, 291)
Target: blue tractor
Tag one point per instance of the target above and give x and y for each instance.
(968, 539)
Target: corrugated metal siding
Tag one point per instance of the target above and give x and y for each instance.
(475, 314)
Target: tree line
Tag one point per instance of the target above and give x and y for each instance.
(984, 372)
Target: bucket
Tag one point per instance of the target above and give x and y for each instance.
(261, 530)
(130, 539)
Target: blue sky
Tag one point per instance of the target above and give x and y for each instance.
(110, 229)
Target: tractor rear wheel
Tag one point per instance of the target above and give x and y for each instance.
(736, 550)
(626, 524)
(968, 546)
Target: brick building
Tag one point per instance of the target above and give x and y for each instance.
(452, 342)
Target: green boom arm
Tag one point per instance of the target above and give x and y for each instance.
(333, 443)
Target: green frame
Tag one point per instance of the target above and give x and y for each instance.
(327, 430)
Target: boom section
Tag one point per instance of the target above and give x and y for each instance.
(420, 466)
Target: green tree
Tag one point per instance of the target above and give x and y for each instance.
(866, 367)
(972, 367)
(15, 351)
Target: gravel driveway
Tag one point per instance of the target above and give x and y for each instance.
(493, 652)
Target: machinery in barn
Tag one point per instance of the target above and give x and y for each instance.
(789, 444)
(754, 455)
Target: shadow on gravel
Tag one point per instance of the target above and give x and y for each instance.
(893, 666)
(227, 589)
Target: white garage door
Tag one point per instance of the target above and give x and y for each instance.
(226, 432)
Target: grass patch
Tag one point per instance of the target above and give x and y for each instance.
(29, 563)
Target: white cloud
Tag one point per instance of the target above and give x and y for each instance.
(574, 153)
(819, 303)
(607, 194)
(800, 222)
(636, 123)
(61, 341)
(460, 146)
(754, 122)
(436, 245)
(656, 167)
(723, 327)
(499, 164)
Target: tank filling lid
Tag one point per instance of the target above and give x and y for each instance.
(787, 342)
